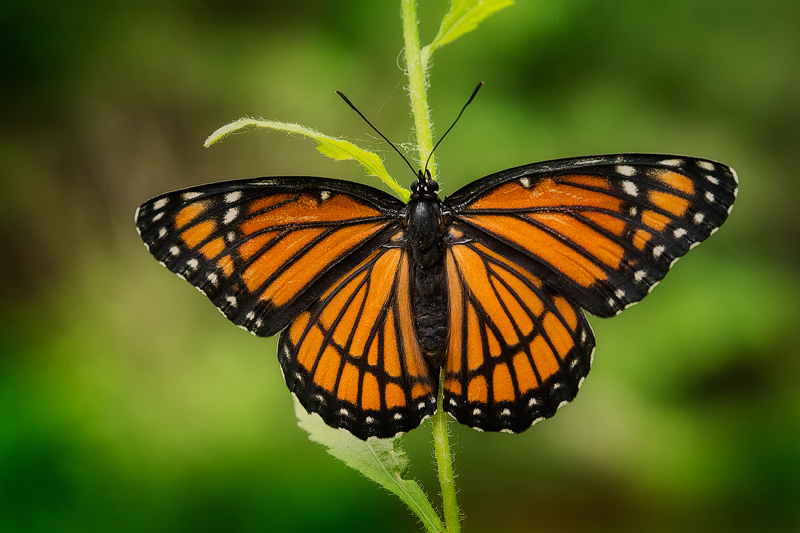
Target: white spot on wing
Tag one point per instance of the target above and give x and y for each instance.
(657, 251)
(710, 196)
(708, 165)
(639, 275)
(626, 170)
(162, 233)
(620, 293)
(230, 215)
(680, 232)
(232, 300)
(175, 250)
(698, 218)
(672, 162)
(398, 416)
(476, 411)
(630, 188)
(158, 204)
(324, 195)
(713, 180)
(158, 216)
(192, 263)
(525, 182)
(233, 196)
(191, 195)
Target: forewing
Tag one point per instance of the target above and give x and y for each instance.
(602, 231)
(517, 350)
(353, 356)
(264, 249)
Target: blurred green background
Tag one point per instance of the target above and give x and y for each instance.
(127, 403)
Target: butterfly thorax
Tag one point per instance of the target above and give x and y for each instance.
(424, 225)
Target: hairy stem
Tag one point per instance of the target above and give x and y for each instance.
(417, 91)
(417, 87)
(444, 463)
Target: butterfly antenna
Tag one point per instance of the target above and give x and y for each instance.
(478, 88)
(354, 108)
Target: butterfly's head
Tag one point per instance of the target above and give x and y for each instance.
(424, 186)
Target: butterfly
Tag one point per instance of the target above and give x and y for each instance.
(372, 296)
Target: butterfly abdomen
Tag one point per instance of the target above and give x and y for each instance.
(431, 311)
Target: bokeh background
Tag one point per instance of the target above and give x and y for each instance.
(127, 403)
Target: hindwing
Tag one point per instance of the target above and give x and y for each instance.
(353, 356)
(517, 350)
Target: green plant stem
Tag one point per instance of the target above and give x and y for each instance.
(417, 91)
(417, 88)
(444, 463)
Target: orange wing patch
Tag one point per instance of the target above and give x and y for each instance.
(191, 212)
(557, 251)
(546, 193)
(197, 234)
(677, 181)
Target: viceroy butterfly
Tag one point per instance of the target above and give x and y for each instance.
(373, 296)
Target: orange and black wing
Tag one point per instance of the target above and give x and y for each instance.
(602, 231)
(517, 350)
(353, 356)
(264, 250)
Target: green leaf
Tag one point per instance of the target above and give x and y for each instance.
(381, 460)
(463, 17)
(332, 147)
